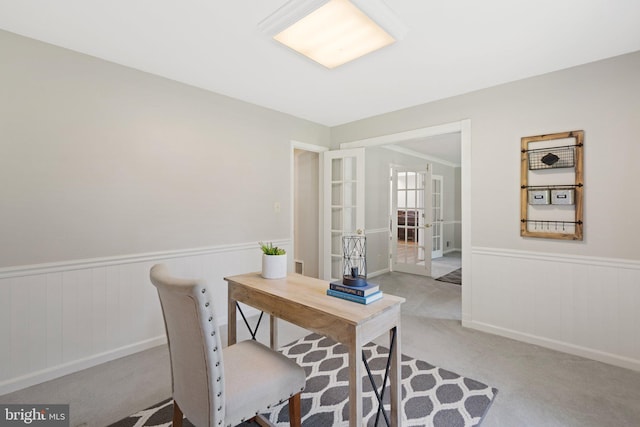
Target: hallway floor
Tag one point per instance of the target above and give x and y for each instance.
(446, 264)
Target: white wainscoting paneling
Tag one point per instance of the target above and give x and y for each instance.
(59, 318)
(586, 306)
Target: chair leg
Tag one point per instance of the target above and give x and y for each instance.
(294, 411)
(177, 415)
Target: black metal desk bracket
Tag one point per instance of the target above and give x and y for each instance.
(380, 395)
(253, 332)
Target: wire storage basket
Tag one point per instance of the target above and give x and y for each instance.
(354, 248)
(551, 158)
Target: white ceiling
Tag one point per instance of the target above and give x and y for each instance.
(452, 47)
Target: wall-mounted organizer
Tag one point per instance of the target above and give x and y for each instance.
(551, 186)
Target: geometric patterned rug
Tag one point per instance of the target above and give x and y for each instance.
(431, 396)
(453, 277)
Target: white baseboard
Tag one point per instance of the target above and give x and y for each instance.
(611, 359)
(378, 273)
(38, 377)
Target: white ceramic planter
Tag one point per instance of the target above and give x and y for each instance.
(274, 266)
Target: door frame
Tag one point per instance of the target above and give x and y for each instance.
(316, 149)
(464, 127)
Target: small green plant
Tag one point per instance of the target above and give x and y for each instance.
(269, 249)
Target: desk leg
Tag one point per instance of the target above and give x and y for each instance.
(231, 321)
(355, 382)
(273, 328)
(396, 379)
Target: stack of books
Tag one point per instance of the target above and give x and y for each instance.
(360, 294)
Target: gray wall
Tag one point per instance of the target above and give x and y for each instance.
(571, 296)
(601, 98)
(451, 190)
(99, 160)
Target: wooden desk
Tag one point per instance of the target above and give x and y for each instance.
(303, 301)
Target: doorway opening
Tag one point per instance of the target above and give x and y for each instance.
(442, 202)
(305, 196)
(462, 223)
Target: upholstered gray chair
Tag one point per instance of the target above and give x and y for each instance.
(215, 386)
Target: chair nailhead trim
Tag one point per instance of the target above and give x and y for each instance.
(204, 290)
(215, 348)
(217, 363)
(213, 333)
(219, 393)
(218, 379)
(210, 318)
(206, 304)
(219, 408)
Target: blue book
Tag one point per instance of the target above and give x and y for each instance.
(350, 297)
(361, 291)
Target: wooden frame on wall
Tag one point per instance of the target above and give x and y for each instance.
(551, 186)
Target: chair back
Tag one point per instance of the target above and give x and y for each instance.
(194, 347)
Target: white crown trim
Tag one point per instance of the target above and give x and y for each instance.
(294, 10)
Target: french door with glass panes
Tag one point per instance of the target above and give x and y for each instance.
(411, 220)
(343, 177)
(437, 216)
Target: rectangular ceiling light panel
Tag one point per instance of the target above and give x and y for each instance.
(335, 33)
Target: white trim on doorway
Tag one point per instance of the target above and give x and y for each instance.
(426, 157)
(464, 127)
(308, 147)
(409, 135)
